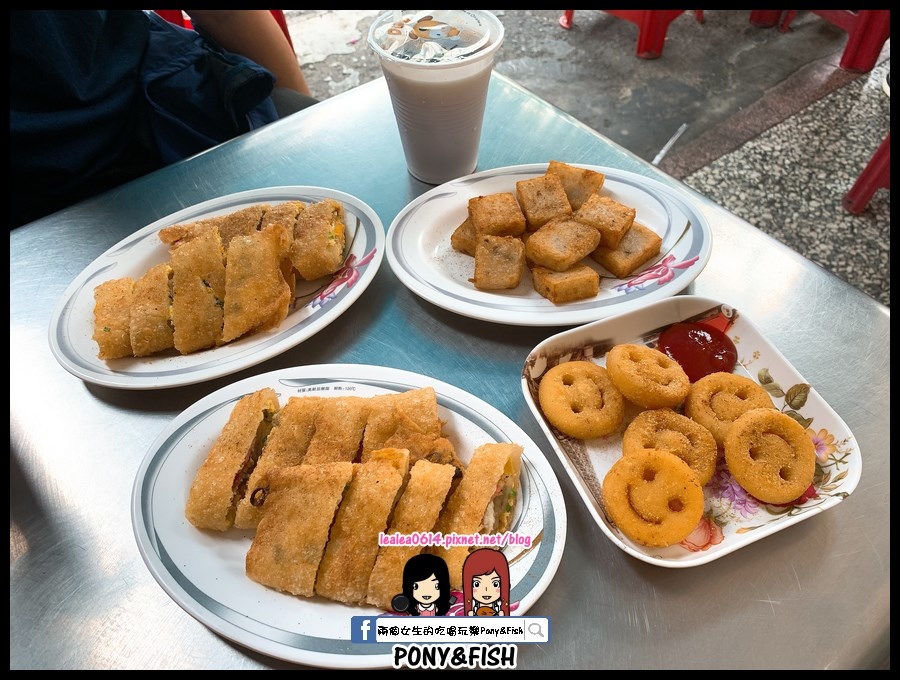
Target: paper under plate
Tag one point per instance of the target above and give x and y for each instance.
(204, 571)
(732, 519)
(420, 254)
(317, 303)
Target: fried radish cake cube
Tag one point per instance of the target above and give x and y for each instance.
(497, 214)
(463, 237)
(542, 198)
(638, 247)
(579, 183)
(611, 218)
(499, 262)
(561, 243)
(578, 283)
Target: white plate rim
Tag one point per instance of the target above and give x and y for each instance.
(189, 596)
(663, 313)
(68, 317)
(534, 310)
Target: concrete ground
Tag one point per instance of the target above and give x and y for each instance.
(764, 122)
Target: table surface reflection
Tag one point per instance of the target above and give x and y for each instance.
(814, 596)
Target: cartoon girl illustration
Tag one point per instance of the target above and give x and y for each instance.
(426, 585)
(486, 583)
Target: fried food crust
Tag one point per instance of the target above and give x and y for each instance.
(580, 400)
(646, 376)
(653, 497)
(770, 455)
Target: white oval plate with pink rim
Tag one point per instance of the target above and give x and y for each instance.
(203, 571)
(732, 518)
(420, 254)
(317, 303)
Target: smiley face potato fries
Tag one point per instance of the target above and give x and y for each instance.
(674, 433)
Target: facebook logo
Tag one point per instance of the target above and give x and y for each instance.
(362, 628)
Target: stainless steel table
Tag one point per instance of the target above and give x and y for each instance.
(814, 596)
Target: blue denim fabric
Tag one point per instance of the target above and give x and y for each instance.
(198, 94)
(99, 97)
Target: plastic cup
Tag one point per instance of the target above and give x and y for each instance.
(437, 64)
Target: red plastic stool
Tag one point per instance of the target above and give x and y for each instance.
(652, 26)
(876, 175)
(765, 18)
(868, 30)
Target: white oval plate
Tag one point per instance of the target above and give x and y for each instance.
(318, 303)
(204, 571)
(732, 519)
(420, 254)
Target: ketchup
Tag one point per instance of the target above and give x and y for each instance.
(701, 349)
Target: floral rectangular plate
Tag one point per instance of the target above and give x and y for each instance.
(732, 518)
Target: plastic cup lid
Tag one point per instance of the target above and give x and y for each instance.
(432, 36)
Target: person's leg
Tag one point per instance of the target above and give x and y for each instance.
(289, 101)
